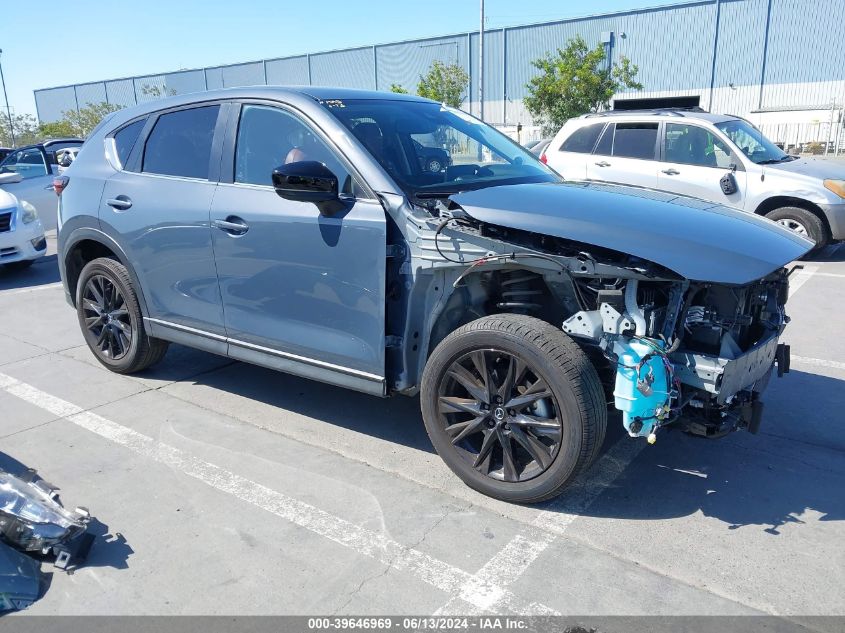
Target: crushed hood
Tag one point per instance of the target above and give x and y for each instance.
(699, 240)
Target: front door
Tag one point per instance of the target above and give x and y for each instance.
(625, 154)
(36, 188)
(158, 208)
(301, 291)
(693, 162)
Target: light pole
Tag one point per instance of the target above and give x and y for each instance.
(6, 99)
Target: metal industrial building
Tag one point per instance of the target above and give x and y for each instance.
(779, 63)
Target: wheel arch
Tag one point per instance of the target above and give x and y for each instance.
(776, 202)
(86, 245)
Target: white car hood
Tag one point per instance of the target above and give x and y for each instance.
(820, 168)
(7, 200)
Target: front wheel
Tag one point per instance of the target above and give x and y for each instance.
(110, 318)
(805, 223)
(513, 406)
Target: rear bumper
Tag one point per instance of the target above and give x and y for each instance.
(726, 377)
(835, 214)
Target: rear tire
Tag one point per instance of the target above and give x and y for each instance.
(542, 401)
(110, 318)
(804, 222)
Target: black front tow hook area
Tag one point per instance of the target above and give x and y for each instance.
(782, 358)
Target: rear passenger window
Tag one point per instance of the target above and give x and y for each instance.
(583, 140)
(635, 140)
(180, 143)
(124, 140)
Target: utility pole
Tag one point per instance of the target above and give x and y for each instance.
(481, 65)
(6, 99)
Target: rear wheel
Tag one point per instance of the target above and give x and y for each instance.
(805, 223)
(110, 317)
(513, 407)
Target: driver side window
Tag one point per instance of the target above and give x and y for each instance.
(270, 137)
(693, 145)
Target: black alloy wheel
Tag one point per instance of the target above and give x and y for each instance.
(500, 414)
(106, 317)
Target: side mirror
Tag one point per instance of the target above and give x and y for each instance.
(306, 181)
(10, 178)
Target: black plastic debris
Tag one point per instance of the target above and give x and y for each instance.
(20, 579)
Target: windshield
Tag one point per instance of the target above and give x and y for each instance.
(433, 150)
(752, 143)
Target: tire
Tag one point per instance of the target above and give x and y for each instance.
(803, 222)
(112, 326)
(22, 264)
(575, 403)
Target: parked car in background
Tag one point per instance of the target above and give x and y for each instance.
(431, 158)
(294, 228)
(720, 158)
(22, 238)
(537, 147)
(28, 173)
(65, 157)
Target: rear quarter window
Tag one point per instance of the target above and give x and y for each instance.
(583, 140)
(180, 143)
(125, 139)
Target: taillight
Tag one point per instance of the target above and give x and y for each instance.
(543, 158)
(59, 184)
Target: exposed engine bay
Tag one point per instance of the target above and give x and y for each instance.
(671, 351)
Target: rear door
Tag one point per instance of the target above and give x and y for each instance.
(570, 158)
(157, 207)
(301, 291)
(693, 161)
(626, 154)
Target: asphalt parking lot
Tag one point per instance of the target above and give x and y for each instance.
(223, 488)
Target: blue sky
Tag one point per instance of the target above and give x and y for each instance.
(85, 40)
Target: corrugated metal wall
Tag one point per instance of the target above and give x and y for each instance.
(758, 55)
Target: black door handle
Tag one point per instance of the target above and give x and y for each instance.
(671, 172)
(121, 203)
(232, 225)
(603, 163)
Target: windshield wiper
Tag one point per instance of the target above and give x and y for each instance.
(772, 161)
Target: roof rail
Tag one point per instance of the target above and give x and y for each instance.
(653, 111)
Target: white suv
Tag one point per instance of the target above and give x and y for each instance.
(22, 238)
(720, 158)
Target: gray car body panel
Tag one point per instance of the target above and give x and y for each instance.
(698, 240)
(322, 266)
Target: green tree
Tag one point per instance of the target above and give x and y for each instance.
(83, 121)
(25, 128)
(397, 88)
(446, 83)
(574, 81)
(56, 129)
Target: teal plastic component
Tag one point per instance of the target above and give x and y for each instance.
(639, 404)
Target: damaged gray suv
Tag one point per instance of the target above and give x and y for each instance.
(298, 229)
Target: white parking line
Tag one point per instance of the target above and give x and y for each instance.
(431, 570)
(818, 362)
(485, 588)
(18, 291)
(801, 278)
